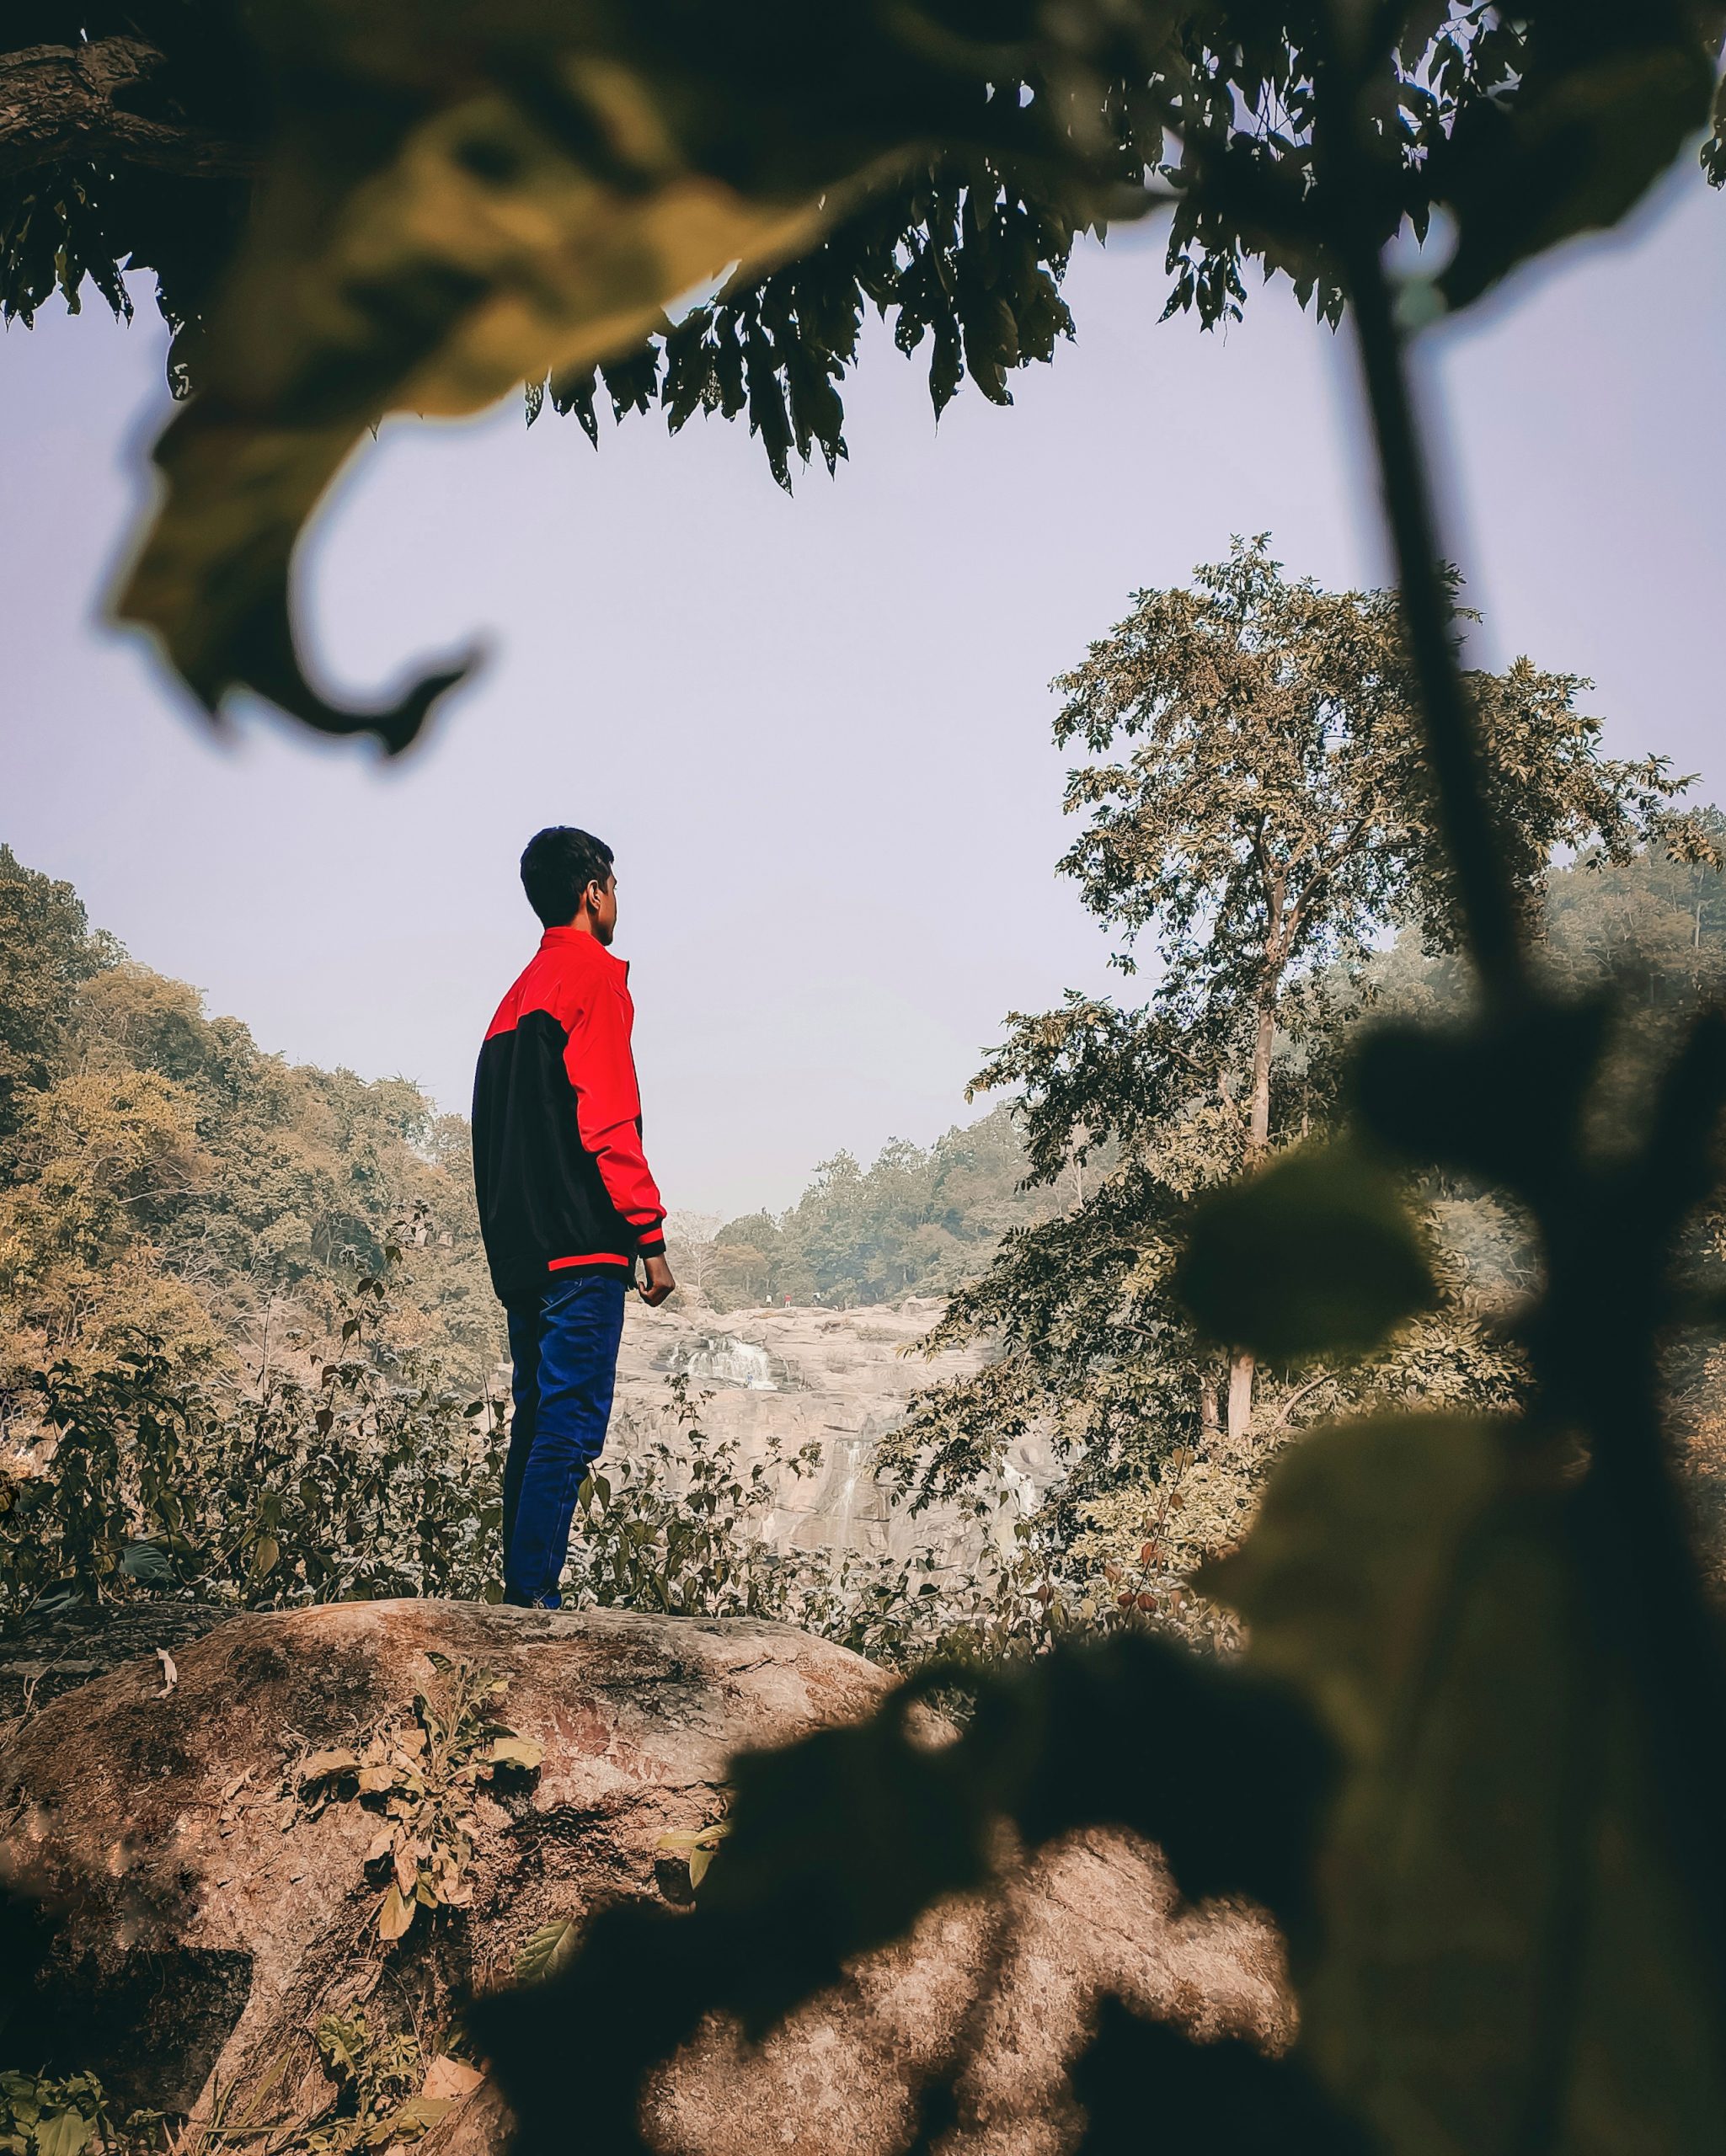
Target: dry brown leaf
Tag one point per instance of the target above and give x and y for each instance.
(318, 1766)
(449, 2079)
(395, 1913)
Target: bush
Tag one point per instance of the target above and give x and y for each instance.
(365, 1477)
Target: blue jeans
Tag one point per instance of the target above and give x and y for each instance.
(563, 1343)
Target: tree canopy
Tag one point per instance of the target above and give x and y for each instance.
(917, 1221)
(352, 210)
(1256, 811)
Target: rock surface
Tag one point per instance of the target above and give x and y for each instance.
(57, 1651)
(777, 1379)
(218, 1913)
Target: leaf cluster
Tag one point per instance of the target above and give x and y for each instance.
(961, 254)
(386, 2094)
(369, 1482)
(49, 2115)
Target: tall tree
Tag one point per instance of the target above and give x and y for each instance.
(1257, 815)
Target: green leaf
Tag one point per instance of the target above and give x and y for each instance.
(1506, 1930)
(1314, 1255)
(266, 1552)
(148, 1563)
(415, 2118)
(68, 2133)
(547, 1951)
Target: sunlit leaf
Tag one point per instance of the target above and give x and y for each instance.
(65, 2133)
(448, 2079)
(546, 1950)
(515, 1752)
(395, 1915)
(318, 1766)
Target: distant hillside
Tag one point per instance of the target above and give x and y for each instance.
(918, 1222)
(166, 1185)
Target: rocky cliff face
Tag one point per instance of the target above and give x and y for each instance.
(779, 1379)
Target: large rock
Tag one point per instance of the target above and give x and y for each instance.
(216, 1913)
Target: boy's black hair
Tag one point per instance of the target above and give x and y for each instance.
(557, 866)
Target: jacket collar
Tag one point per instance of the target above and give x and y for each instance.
(572, 938)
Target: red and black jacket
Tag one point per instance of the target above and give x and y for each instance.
(557, 1164)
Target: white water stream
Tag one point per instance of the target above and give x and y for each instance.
(721, 1358)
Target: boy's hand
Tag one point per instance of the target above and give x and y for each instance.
(659, 1283)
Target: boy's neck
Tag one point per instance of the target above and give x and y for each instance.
(583, 925)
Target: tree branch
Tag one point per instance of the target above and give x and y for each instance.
(61, 101)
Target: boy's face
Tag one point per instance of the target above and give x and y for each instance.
(602, 901)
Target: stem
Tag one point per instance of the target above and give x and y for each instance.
(1452, 744)
(1242, 1368)
(1595, 1343)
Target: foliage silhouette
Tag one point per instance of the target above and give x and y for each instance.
(339, 217)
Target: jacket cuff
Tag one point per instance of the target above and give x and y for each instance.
(651, 1245)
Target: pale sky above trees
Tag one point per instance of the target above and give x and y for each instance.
(816, 730)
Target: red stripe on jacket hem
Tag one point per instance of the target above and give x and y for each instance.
(596, 1257)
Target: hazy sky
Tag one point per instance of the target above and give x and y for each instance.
(816, 730)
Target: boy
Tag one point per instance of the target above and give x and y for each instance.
(567, 1203)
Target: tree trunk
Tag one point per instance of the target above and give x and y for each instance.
(1210, 1415)
(1240, 1399)
(1240, 1366)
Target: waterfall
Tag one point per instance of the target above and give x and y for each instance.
(851, 1451)
(721, 1358)
(1017, 1500)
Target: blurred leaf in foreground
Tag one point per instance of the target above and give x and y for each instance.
(1316, 1254)
(1606, 97)
(1510, 1959)
(461, 198)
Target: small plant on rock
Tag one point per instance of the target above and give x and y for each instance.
(427, 1776)
(386, 2095)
